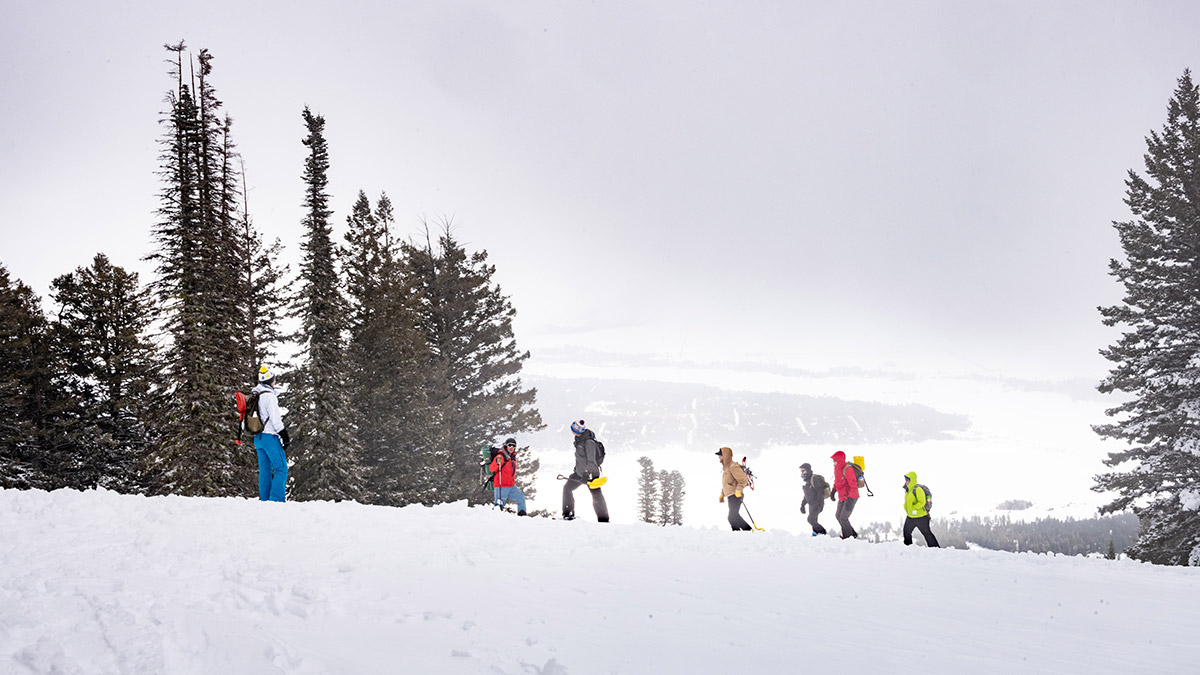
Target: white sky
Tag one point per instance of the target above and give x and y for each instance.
(927, 185)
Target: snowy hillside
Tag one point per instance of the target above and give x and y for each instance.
(101, 583)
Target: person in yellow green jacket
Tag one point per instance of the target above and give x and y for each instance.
(916, 517)
(733, 481)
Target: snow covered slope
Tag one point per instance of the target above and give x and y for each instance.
(102, 583)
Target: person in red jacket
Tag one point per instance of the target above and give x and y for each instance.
(845, 487)
(504, 476)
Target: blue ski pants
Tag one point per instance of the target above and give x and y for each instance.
(503, 494)
(272, 468)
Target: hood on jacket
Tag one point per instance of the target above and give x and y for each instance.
(838, 457)
(912, 480)
(726, 455)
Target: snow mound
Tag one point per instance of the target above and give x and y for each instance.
(97, 582)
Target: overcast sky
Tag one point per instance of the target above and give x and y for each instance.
(925, 185)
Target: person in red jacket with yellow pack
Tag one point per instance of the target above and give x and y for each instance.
(504, 476)
(845, 487)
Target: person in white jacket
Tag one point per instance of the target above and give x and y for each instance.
(271, 442)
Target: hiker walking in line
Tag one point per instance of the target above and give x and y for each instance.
(814, 486)
(845, 487)
(588, 457)
(916, 515)
(271, 441)
(504, 474)
(733, 481)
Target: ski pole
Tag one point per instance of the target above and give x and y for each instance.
(752, 518)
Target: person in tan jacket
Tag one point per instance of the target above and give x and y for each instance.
(733, 481)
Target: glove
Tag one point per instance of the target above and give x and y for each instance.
(738, 494)
(802, 508)
(722, 499)
(283, 437)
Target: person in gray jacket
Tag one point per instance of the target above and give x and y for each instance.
(271, 441)
(587, 471)
(814, 486)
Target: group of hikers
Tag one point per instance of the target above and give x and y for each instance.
(271, 439)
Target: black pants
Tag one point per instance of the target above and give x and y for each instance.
(598, 504)
(813, 513)
(844, 510)
(921, 524)
(735, 514)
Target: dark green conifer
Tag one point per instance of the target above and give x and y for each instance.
(199, 288)
(108, 367)
(322, 425)
(467, 322)
(25, 373)
(1156, 361)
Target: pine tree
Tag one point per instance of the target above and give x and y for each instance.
(663, 517)
(677, 495)
(108, 369)
(1156, 361)
(25, 370)
(467, 322)
(403, 433)
(199, 287)
(324, 437)
(647, 490)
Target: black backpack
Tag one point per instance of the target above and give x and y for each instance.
(820, 486)
(599, 453)
(928, 498)
(247, 407)
(486, 454)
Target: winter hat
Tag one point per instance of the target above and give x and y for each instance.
(578, 427)
(266, 374)
(510, 442)
(806, 467)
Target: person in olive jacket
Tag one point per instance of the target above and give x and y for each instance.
(733, 481)
(814, 497)
(916, 517)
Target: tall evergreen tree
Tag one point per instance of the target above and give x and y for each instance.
(108, 369)
(677, 494)
(647, 491)
(402, 427)
(663, 517)
(1156, 361)
(198, 287)
(25, 373)
(325, 441)
(467, 321)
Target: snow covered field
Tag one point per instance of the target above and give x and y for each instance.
(102, 583)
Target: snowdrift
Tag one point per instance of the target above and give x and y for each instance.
(97, 582)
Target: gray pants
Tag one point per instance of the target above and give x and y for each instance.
(814, 511)
(598, 504)
(844, 510)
